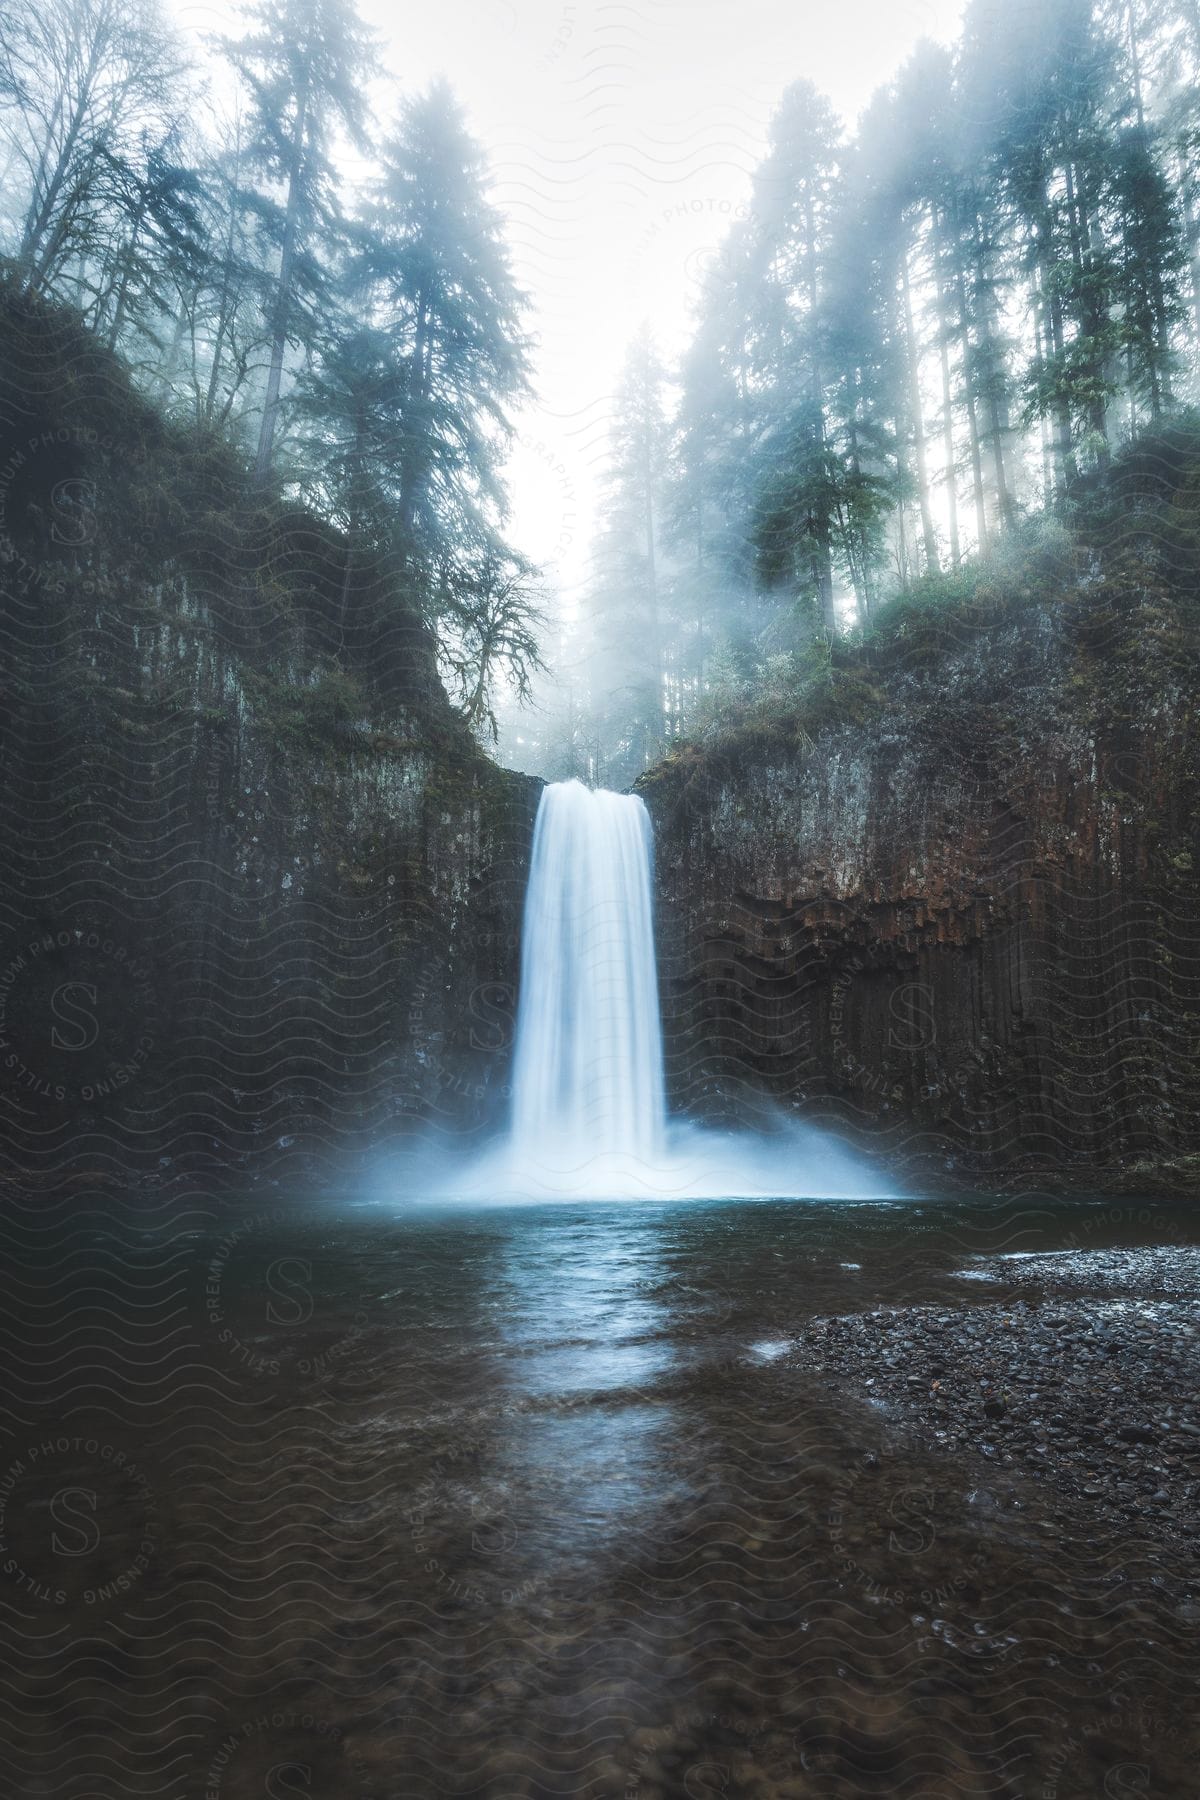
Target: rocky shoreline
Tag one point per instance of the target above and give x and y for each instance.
(1079, 1370)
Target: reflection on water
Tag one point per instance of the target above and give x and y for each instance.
(574, 1515)
(594, 1295)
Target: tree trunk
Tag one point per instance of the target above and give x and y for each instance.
(135, 233)
(1051, 477)
(1062, 410)
(40, 213)
(918, 426)
(1060, 406)
(994, 392)
(224, 304)
(821, 567)
(1187, 191)
(947, 391)
(656, 656)
(1135, 63)
(170, 362)
(902, 536)
(417, 391)
(858, 562)
(964, 326)
(287, 254)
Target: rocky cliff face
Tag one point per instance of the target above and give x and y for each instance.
(962, 927)
(227, 949)
(260, 894)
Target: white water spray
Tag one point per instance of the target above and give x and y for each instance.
(589, 1111)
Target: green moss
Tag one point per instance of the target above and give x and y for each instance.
(850, 696)
(312, 718)
(965, 661)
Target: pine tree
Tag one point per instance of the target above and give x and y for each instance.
(710, 492)
(796, 197)
(1049, 72)
(224, 309)
(1152, 258)
(634, 702)
(162, 248)
(352, 403)
(306, 67)
(433, 260)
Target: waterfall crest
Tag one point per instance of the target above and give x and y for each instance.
(588, 1069)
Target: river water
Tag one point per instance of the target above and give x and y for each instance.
(552, 1500)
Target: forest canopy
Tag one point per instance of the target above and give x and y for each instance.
(923, 335)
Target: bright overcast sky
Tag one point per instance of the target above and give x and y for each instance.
(622, 134)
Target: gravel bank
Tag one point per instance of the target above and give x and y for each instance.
(1084, 1375)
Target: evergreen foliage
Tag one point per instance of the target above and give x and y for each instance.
(923, 338)
(923, 334)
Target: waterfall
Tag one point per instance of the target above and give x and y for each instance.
(588, 1107)
(588, 1069)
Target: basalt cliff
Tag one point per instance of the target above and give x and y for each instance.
(952, 909)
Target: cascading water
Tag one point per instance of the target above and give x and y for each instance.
(588, 1107)
(588, 1076)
